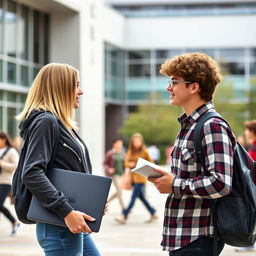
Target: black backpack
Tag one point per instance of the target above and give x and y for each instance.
(21, 195)
(234, 215)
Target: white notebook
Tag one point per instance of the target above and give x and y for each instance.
(146, 168)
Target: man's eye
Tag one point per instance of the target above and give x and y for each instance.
(175, 82)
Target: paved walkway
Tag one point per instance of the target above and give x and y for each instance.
(136, 238)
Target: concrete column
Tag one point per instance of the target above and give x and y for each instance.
(92, 113)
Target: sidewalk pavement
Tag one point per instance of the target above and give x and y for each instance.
(136, 238)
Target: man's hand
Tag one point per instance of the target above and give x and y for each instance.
(163, 183)
(75, 222)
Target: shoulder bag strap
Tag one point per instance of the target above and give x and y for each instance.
(5, 152)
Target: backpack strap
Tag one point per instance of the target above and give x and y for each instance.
(198, 149)
(5, 152)
(2, 156)
(197, 133)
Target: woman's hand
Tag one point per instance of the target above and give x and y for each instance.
(75, 222)
(132, 164)
(106, 208)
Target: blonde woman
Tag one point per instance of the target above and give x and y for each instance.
(55, 93)
(137, 149)
(9, 158)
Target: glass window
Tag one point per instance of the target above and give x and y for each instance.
(1, 118)
(1, 25)
(253, 68)
(235, 68)
(10, 19)
(11, 113)
(1, 71)
(158, 66)
(23, 98)
(230, 54)
(46, 39)
(23, 33)
(36, 36)
(11, 96)
(24, 75)
(138, 95)
(35, 71)
(116, 69)
(139, 70)
(11, 73)
(139, 55)
(164, 54)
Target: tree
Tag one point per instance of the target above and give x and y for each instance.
(233, 111)
(156, 122)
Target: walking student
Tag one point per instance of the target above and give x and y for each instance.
(54, 94)
(114, 168)
(135, 150)
(9, 158)
(250, 136)
(188, 224)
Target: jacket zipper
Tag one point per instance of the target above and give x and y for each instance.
(66, 146)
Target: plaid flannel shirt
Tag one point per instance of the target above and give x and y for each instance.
(187, 209)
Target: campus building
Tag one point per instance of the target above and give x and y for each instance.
(118, 46)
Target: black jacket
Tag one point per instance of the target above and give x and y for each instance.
(41, 136)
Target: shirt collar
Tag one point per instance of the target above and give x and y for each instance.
(196, 114)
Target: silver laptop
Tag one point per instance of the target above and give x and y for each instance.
(84, 192)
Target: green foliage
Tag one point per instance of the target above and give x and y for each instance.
(233, 112)
(157, 123)
(252, 100)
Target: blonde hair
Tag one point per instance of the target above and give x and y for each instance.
(131, 146)
(53, 90)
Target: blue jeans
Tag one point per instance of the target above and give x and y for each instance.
(59, 241)
(200, 247)
(138, 191)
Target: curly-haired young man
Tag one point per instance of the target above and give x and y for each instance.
(188, 226)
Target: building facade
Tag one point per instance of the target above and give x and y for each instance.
(118, 46)
(153, 31)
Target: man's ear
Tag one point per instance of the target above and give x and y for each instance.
(195, 88)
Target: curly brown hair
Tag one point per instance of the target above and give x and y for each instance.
(195, 67)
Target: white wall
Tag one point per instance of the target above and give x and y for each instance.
(113, 27)
(64, 38)
(165, 33)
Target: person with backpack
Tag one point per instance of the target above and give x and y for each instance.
(49, 132)
(250, 137)
(188, 227)
(9, 158)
